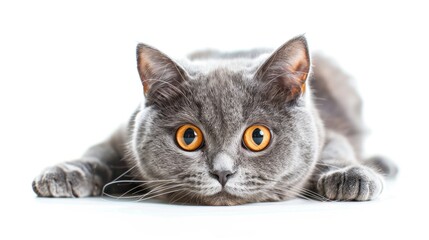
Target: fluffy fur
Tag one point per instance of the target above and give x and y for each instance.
(314, 116)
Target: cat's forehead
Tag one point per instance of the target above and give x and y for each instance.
(222, 95)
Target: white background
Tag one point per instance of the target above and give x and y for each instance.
(68, 78)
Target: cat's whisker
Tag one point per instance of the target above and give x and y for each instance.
(129, 170)
(110, 196)
(124, 196)
(173, 196)
(149, 186)
(103, 192)
(161, 189)
(142, 187)
(295, 190)
(312, 196)
(297, 193)
(160, 193)
(120, 197)
(132, 189)
(309, 193)
(193, 197)
(285, 191)
(124, 173)
(131, 196)
(173, 199)
(155, 188)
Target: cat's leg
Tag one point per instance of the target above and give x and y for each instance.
(85, 176)
(340, 176)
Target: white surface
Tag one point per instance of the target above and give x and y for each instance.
(68, 78)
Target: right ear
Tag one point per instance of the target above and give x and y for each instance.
(159, 74)
(287, 70)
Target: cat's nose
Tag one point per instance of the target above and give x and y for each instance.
(222, 176)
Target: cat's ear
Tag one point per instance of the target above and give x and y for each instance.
(286, 71)
(159, 74)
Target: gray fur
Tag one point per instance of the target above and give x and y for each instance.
(223, 94)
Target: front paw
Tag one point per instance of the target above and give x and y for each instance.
(356, 183)
(65, 180)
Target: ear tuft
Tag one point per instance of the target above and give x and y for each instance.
(287, 69)
(159, 74)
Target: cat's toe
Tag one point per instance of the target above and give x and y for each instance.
(52, 183)
(60, 181)
(351, 184)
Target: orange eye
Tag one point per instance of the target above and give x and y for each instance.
(189, 137)
(256, 138)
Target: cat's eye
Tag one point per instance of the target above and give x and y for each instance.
(189, 137)
(256, 138)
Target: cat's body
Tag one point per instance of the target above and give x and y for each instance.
(312, 135)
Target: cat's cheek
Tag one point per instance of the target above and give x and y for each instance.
(195, 155)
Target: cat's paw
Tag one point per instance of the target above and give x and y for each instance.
(357, 183)
(65, 180)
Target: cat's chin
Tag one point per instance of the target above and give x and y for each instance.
(222, 198)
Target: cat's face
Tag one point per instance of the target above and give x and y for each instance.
(226, 137)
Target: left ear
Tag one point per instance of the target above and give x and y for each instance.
(161, 77)
(287, 70)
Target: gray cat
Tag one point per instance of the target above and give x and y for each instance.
(232, 128)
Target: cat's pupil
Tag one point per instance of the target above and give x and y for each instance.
(189, 136)
(258, 136)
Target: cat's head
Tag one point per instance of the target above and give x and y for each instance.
(233, 132)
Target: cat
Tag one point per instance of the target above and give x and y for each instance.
(232, 128)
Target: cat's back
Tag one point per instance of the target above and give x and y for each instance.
(338, 101)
